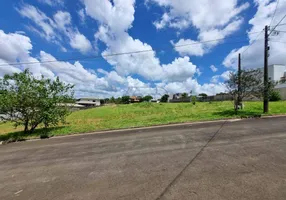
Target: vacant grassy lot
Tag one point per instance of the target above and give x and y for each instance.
(144, 114)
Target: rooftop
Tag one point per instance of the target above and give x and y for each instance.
(88, 98)
(86, 102)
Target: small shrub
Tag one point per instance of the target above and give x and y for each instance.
(44, 134)
(194, 100)
(275, 96)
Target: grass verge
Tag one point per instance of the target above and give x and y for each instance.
(141, 115)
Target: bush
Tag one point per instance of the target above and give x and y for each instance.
(194, 99)
(125, 99)
(164, 98)
(147, 98)
(275, 96)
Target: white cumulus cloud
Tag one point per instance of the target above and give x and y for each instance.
(221, 78)
(177, 76)
(52, 2)
(253, 54)
(117, 39)
(211, 23)
(14, 46)
(56, 28)
(213, 68)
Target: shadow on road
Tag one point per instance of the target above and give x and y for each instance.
(241, 113)
(21, 136)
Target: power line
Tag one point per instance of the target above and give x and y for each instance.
(120, 54)
(176, 46)
(281, 31)
(274, 13)
(278, 41)
(277, 24)
(282, 24)
(252, 42)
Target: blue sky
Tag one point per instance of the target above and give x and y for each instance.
(43, 30)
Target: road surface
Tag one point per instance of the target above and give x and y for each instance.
(224, 160)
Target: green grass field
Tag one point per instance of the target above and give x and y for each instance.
(143, 114)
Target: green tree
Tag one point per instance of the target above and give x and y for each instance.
(275, 95)
(194, 100)
(164, 98)
(118, 100)
(29, 102)
(147, 98)
(112, 100)
(184, 95)
(140, 98)
(125, 99)
(252, 85)
(203, 95)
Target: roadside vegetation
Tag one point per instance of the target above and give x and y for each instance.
(249, 83)
(33, 107)
(29, 102)
(140, 115)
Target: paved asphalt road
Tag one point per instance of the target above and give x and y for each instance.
(225, 160)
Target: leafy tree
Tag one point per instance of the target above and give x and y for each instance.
(69, 101)
(140, 98)
(251, 85)
(29, 102)
(112, 100)
(275, 96)
(184, 95)
(194, 100)
(203, 95)
(118, 100)
(164, 98)
(222, 93)
(125, 99)
(147, 98)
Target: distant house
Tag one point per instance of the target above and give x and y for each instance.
(71, 106)
(135, 99)
(155, 100)
(177, 96)
(88, 102)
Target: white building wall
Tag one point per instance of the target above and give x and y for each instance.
(97, 103)
(271, 72)
(282, 89)
(276, 72)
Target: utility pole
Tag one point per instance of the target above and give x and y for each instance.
(266, 79)
(239, 81)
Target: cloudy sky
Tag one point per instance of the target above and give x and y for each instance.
(76, 40)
